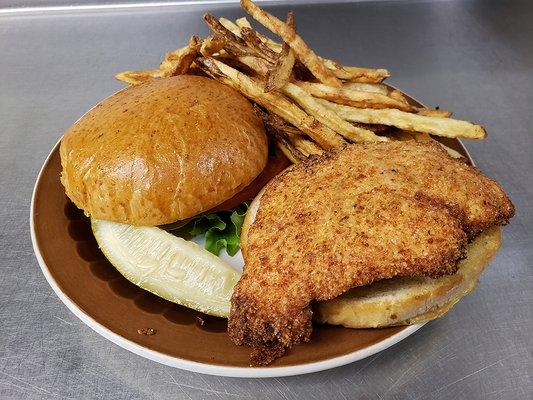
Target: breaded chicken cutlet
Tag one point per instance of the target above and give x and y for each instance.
(349, 218)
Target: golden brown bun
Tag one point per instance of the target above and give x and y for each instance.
(404, 301)
(162, 151)
(400, 301)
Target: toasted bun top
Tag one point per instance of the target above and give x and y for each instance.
(162, 151)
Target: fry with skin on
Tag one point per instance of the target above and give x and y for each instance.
(233, 42)
(353, 97)
(438, 126)
(257, 64)
(138, 77)
(302, 51)
(243, 23)
(281, 71)
(221, 30)
(298, 68)
(287, 147)
(329, 118)
(273, 102)
(367, 87)
(294, 135)
(430, 112)
(326, 116)
(176, 62)
(212, 44)
(229, 25)
(304, 145)
(397, 95)
(296, 147)
(236, 50)
(279, 74)
(356, 74)
(253, 41)
(433, 112)
(291, 152)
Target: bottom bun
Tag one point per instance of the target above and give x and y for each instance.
(400, 301)
(404, 301)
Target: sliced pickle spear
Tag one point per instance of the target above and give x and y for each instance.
(168, 266)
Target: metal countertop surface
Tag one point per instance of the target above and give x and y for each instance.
(472, 57)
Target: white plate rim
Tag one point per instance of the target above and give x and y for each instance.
(193, 366)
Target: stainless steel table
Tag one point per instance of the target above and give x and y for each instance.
(472, 57)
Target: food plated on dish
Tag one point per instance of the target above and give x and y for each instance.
(376, 223)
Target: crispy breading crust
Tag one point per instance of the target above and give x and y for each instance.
(346, 219)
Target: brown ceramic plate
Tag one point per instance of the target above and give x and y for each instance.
(115, 308)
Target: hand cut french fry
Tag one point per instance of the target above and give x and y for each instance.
(235, 44)
(432, 112)
(253, 41)
(367, 87)
(357, 74)
(354, 74)
(277, 126)
(282, 140)
(257, 64)
(138, 77)
(212, 44)
(274, 102)
(279, 74)
(302, 51)
(301, 143)
(243, 23)
(323, 114)
(305, 146)
(397, 95)
(230, 26)
(176, 62)
(221, 30)
(439, 126)
(293, 154)
(352, 97)
(327, 117)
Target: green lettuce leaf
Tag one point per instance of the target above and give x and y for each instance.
(221, 229)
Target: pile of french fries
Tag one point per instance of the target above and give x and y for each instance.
(309, 104)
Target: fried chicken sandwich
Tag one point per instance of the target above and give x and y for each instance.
(401, 224)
